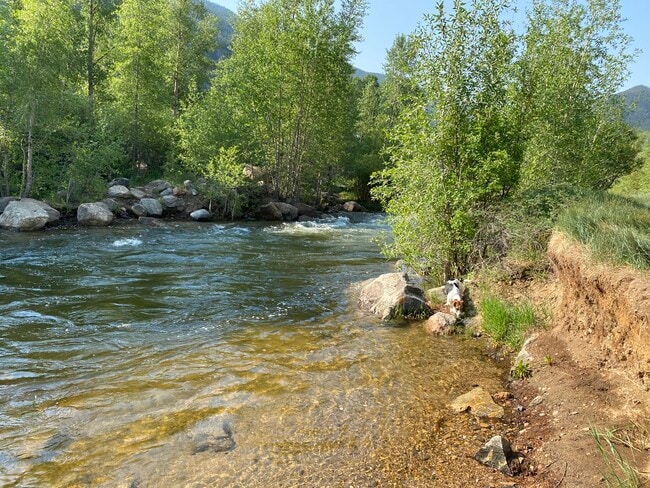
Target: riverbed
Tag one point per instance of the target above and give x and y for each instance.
(203, 354)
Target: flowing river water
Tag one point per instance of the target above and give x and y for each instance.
(213, 355)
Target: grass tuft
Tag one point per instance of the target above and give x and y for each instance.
(507, 323)
(620, 472)
(615, 228)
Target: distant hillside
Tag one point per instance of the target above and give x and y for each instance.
(637, 101)
(226, 18)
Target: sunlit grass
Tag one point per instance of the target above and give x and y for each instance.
(615, 228)
(506, 323)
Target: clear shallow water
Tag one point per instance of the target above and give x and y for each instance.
(211, 355)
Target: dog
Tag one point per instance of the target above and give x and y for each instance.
(454, 291)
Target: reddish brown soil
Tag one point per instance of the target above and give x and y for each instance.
(591, 370)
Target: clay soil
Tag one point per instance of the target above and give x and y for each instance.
(590, 373)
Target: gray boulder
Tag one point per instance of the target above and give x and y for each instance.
(112, 205)
(289, 212)
(201, 214)
(394, 295)
(138, 193)
(306, 210)
(269, 212)
(24, 216)
(119, 191)
(53, 214)
(139, 210)
(172, 202)
(94, 214)
(152, 206)
(157, 186)
(353, 207)
(497, 454)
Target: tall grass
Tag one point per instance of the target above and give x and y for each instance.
(615, 228)
(621, 473)
(506, 323)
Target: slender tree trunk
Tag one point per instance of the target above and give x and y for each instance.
(90, 60)
(4, 188)
(28, 175)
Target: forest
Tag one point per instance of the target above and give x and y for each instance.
(477, 130)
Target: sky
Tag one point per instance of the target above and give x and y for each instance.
(385, 19)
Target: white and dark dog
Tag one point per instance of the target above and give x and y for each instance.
(454, 291)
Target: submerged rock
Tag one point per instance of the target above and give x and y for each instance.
(24, 216)
(479, 403)
(393, 295)
(440, 323)
(209, 442)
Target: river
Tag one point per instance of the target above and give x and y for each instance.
(213, 355)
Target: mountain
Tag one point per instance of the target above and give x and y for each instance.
(637, 103)
(226, 18)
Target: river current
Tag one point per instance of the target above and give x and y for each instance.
(212, 355)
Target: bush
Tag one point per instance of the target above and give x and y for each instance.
(616, 229)
(506, 323)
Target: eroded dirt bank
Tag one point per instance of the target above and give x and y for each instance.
(591, 371)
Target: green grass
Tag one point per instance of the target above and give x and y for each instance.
(620, 472)
(506, 323)
(616, 229)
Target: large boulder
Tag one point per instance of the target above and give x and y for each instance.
(353, 207)
(201, 215)
(172, 202)
(119, 191)
(53, 214)
(157, 186)
(94, 214)
(289, 212)
(306, 210)
(394, 295)
(269, 212)
(24, 216)
(152, 206)
(138, 193)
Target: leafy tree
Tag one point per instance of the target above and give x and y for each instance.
(574, 61)
(288, 86)
(454, 149)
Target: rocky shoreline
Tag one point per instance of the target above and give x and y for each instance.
(158, 199)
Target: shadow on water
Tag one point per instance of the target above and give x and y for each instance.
(211, 355)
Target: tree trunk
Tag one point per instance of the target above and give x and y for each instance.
(90, 61)
(28, 174)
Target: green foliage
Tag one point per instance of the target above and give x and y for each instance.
(521, 370)
(638, 181)
(506, 323)
(454, 150)
(616, 229)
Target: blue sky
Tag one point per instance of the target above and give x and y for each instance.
(385, 19)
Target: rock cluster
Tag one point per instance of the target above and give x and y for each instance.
(394, 295)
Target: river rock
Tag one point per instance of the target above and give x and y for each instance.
(94, 214)
(305, 210)
(167, 192)
(150, 221)
(53, 214)
(201, 214)
(478, 402)
(152, 206)
(353, 207)
(119, 191)
(24, 216)
(393, 295)
(112, 204)
(497, 454)
(172, 202)
(289, 212)
(119, 182)
(139, 210)
(440, 323)
(269, 212)
(138, 193)
(157, 186)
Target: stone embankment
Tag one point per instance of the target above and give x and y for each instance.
(158, 199)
